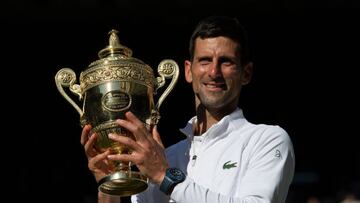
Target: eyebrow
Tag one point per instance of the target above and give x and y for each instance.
(227, 58)
(204, 58)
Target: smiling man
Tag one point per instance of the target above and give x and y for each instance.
(225, 158)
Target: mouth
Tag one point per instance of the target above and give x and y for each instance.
(215, 86)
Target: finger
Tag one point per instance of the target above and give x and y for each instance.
(122, 158)
(156, 136)
(137, 122)
(100, 157)
(85, 134)
(89, 145)
(126, 141)
(131, 117)
(134, 125)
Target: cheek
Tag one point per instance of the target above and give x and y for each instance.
(195, 84)
(231, 74)
(233, 80)
(196, 75)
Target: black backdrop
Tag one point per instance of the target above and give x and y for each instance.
(305, 57)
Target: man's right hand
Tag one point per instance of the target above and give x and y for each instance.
(98, 163)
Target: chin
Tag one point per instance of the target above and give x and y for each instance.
(213, 105)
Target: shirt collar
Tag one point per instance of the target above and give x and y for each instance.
(222, 125)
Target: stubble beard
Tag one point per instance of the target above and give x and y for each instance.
(212, 100)
(217, 102)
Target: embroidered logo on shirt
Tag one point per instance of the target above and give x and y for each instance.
(228, 165)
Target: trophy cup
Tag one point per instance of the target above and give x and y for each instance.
(109, 87)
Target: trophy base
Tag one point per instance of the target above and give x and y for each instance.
(123, 183)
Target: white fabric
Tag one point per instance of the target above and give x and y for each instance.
(259, 164)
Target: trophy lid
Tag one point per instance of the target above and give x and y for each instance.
(115, 52)
(116, 64)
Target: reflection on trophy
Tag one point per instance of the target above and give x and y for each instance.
(109, 87)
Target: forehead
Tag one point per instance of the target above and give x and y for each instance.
(216, 45)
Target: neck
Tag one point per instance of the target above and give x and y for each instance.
(208, 117)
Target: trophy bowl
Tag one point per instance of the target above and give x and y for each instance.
(109, 87)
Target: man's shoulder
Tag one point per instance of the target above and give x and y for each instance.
(265, 128)
(267, 131)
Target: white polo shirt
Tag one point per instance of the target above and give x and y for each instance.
(233, 161)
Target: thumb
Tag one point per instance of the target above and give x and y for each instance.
(156, 136)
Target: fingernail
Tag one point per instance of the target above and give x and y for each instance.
(111, 135)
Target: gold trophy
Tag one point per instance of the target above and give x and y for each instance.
(109, 87)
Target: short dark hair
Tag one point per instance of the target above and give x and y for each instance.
(216, 26)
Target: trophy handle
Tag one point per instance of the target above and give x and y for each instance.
(167, 68)
(67, 77)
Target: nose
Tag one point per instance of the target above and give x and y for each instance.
(214, 70)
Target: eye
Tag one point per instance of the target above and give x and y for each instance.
(204, 61)
(226, 61)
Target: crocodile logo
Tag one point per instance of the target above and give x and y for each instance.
(228, 165)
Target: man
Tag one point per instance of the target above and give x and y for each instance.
(225, 158)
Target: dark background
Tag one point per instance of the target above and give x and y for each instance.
(305, 55)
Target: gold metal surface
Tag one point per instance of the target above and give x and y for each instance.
(109, 87)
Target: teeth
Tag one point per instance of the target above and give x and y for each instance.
(211, 86)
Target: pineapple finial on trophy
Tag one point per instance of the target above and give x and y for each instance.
(114, 39)
(115, 48)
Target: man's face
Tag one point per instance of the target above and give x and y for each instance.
(215, 72)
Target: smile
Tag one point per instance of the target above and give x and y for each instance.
(214, 86)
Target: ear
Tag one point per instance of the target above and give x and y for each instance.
(188, 74)
(247, 73)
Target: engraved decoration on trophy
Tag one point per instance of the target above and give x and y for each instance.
(109, 87)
